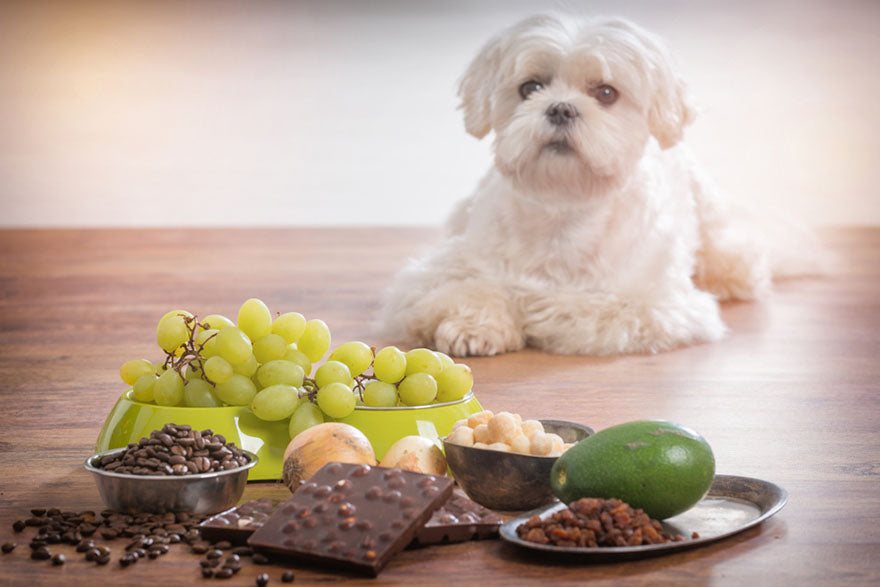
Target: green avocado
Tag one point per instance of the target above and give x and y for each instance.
(661, 467)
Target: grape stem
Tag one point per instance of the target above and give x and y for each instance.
(192, 351)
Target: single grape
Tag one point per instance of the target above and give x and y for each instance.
(237, 391)
(254, 318)
(171, 332)
(336, 400)
(331, 372)
(423, 361)
(445, 359)
(357, 355)
(233, 345)
(269, 347)
(379, 394)
(198, 393)
(315, 340)
(206, 342)
(390, 364)
(132, 370)
(454, 382)
(142, 390)
(275, 402)
(296, 356)
(193, 371)
(289, 326)
(305, 416)
(280, 371)
(218, 369)
(168, 389)
(417, 389)
(248, 368)
(217, 321)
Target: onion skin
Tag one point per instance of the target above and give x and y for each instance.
(324, 443)
(417, 454)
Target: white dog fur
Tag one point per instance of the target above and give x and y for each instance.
(594, 234)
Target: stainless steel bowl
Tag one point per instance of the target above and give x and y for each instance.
(505, 480)
(204, 493)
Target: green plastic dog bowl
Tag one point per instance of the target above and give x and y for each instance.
(130, 420)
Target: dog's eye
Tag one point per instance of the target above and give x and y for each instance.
(529, 87)
(606, 94)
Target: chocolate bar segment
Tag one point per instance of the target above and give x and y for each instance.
(458, 520)
(238, 523)
(352, 516)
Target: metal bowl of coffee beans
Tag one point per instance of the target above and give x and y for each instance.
(175, 469)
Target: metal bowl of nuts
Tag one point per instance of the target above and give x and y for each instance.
(507, 480)
(175, 469)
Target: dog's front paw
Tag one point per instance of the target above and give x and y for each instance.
(462, 338)
(738, 271)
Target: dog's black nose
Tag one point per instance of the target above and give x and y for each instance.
(561, 113)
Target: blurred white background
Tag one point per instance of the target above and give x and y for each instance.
(324, 112)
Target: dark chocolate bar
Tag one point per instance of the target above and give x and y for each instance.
(352, 516)
(457, 520)
(238, 523)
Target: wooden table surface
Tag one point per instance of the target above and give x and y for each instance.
(792, 395)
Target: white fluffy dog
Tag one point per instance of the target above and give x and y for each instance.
(595, 232)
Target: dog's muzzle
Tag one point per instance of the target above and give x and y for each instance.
(561, 113)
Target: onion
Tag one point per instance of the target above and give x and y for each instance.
(415, 453)
(324, 443)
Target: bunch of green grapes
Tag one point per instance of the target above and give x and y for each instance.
(267, 363)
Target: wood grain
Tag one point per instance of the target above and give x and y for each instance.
(792, 395)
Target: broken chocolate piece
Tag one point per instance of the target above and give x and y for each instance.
(458, 520)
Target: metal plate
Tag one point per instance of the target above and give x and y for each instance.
(732, 505)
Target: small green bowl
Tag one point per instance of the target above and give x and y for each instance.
(130, 420)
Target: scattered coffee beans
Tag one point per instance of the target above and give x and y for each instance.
(176, 450)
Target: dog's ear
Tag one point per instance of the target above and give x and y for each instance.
(671, 109)
(476, 87)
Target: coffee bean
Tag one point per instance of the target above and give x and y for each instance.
(103, 560)
(261, 559)
(41, 553)
(38, 511)
(224, 573)
(58, 560)
(287, 577)
(85, 545)
(18, 525)
(8, 547)
(243, 551)
(127, 560)
(207, 572)
(214, 554)
(223, 545)
(262, 579)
